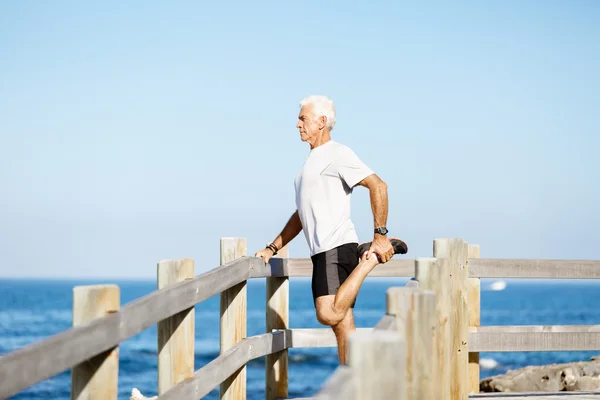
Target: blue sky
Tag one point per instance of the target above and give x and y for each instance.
(132, 132)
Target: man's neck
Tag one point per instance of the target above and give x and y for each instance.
(326, 137)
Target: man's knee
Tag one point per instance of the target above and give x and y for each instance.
(326, 314)
(328, 318)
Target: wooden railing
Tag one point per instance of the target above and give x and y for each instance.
(445, 304)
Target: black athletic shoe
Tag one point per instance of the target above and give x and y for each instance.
(399, 247)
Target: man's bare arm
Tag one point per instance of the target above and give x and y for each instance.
(292, 228)
(379, 198)
(379, 205)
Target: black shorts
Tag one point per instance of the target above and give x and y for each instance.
(332, 267)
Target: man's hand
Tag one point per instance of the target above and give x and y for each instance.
(265, 254)
(382, 247)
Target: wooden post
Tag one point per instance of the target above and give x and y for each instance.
(233, 319)
(474, 291)
(415, 321)
(96, 378)
(175, 334)
(432, 275)
(278, 292)
(378, 363)
(455, 251)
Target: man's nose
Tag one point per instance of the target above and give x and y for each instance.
(298, 125)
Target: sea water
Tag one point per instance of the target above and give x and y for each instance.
(31, 310)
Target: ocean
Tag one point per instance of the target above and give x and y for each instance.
(31, 310)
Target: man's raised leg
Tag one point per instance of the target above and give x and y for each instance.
(335, 311)
(347, 292)
(332, 309)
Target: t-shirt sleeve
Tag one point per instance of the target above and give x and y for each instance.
(350, 168)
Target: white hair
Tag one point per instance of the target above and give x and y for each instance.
(322, 106)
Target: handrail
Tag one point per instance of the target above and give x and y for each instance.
(534, 338)
(401, 267)
(533, 268)
(478, 268)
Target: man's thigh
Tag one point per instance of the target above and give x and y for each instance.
(331, 269)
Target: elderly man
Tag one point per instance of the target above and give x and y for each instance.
(323, 189)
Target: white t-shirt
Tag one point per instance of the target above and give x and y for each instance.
(323, 189)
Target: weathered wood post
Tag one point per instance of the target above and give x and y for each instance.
(415, 321)
(454, 252)
(378, 362)
(233, 319)
(474, 290)
(277, 309)
(176, 333)
(432, 275)
(96, 378)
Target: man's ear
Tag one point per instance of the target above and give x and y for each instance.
(322, 122)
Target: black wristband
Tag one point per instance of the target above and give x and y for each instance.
(272, 247)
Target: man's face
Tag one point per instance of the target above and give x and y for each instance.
(310, 127)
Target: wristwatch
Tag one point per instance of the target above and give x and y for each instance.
(381, 230)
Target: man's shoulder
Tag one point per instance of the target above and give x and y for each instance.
(340, 147)
(341, 150)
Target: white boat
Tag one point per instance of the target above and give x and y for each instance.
(498, 285)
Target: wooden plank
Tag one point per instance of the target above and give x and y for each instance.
(534, 338)
(394, 268)
(474, 298)
(478, 268)
(233, 319)
(217, 371)
(277, 267)
(378, 363)
(386, 323)
(338, 386)
(399, 303)
(425, 333)
(455, 251)
(536, 269)
(432, 275)
(412, 283)
(313, 337)
(415, 321)
(277, 317)
(24, 367)
(96, 378)
(175, 334)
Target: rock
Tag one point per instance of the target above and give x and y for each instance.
(575, 376)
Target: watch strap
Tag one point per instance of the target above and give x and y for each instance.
(382, 230)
